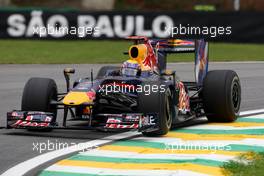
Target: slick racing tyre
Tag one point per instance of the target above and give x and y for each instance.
(221, 95)
(37, 95)
(105, 70)
(162, 103)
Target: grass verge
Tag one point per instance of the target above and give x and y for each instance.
(56, 52)
(247, 164)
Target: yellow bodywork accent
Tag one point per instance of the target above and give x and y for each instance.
(76, 98)
(142, 54)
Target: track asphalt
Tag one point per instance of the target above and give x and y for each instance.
(17, 145)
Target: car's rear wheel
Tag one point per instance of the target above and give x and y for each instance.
(161, 103)
(222, 95)
(37, 95)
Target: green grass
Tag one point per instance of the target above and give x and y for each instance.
(246, 165)
(51, 52)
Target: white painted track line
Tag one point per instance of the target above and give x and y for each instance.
(104, 171)
(251, 112)
(135, 155)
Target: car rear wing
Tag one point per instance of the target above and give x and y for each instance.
(198, 47)
(174, 45)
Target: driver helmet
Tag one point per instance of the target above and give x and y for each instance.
(130, 68)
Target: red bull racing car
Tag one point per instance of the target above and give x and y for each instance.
(141, 94)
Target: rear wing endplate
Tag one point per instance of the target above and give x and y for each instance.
(201, 61)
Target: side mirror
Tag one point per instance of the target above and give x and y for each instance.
(168, 72)
(67, 72)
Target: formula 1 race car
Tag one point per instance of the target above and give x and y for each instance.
(141, 94)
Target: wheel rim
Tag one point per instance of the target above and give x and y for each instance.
(236, 96)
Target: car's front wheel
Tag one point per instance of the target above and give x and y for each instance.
(162, 104)
(37, 95)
